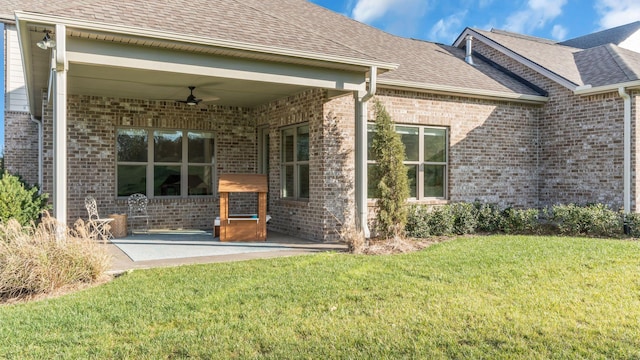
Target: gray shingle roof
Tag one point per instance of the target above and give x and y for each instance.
(614, 35)
(556, 58)
(292, 24)
(602, 65)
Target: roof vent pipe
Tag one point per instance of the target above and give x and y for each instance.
(468, 58)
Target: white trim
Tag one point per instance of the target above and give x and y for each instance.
(194, 39)
(60, 129)
(517, 57)
(627, 149)
(588, 90)
(459, 91)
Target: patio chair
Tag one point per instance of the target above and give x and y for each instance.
(98, 226)
(138, 210)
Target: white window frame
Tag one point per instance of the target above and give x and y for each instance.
(420, 163)
(295, 163)
(183, 164)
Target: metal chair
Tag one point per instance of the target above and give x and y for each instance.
(98, 226)
(138, 210)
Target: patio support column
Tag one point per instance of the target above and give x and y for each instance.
(361, 165)
(60, 127)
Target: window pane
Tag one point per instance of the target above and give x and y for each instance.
(435, 143)
(132, 145)
(132, 179)
(200, 180)
(166, 180)
(201, 147)
(412, 177)
(303, 143)
(287, 145)
(410, 137)
(434, 181)
(288, 181)
(167, 146)
(303, 181)
(370, 132)
(372, 181)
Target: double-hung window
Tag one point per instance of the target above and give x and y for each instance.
(426, 151)
(162, 163)
(295, 162)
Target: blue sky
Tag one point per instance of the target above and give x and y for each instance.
(442, 21)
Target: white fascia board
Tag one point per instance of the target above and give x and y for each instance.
(517, 57)
(196, 40)
(462, 92)
(588, 90)
(83, 51)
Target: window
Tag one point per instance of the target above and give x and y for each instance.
(295, 162)
(162, 163)
(425, 158)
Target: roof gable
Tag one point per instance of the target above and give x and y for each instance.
(616, 35)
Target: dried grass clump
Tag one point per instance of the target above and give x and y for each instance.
(42, 259)
(358, 244)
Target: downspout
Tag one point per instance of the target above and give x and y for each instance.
(39, 123)
(627, 149)
(361, 153)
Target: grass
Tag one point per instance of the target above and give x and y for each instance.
(474, 297)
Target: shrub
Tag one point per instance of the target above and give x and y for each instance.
(593, 220)
(519, 221)
(465, 218)
(441, 221)
(19, 201)
(633, 221)
(390, 174)
(488, 216)
(36, 260)
(418, 222)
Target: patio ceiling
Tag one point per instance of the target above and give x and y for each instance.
(110, 68)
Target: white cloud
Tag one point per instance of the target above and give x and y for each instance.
(559, 32)
(401, 17)
(537, 14)
(446, 30)
(371, 10)
(618, 12)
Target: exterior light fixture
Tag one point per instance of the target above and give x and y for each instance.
(46, 42)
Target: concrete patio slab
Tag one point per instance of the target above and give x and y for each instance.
(183, 247)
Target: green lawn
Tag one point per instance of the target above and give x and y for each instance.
(478, 297)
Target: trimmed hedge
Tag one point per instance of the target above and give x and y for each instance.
(469, 218)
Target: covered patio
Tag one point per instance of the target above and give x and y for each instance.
(103, 86)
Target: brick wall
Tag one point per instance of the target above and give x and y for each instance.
(92, 124)
(581, 141)
(21, 146)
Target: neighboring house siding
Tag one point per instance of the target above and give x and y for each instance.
(632, 42)
(21, 146)
(581, 141)
(16, 95)
(91, 155)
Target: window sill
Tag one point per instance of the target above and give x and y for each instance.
(293, 202)
(372, 202)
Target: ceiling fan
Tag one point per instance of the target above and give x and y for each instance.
(191, 99)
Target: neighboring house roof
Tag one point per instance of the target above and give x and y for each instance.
(573, 67)
(616, 35)
(296, 25)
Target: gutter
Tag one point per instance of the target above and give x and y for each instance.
(627, 149)
(589, 90)
(460, 91)
(362, 209)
